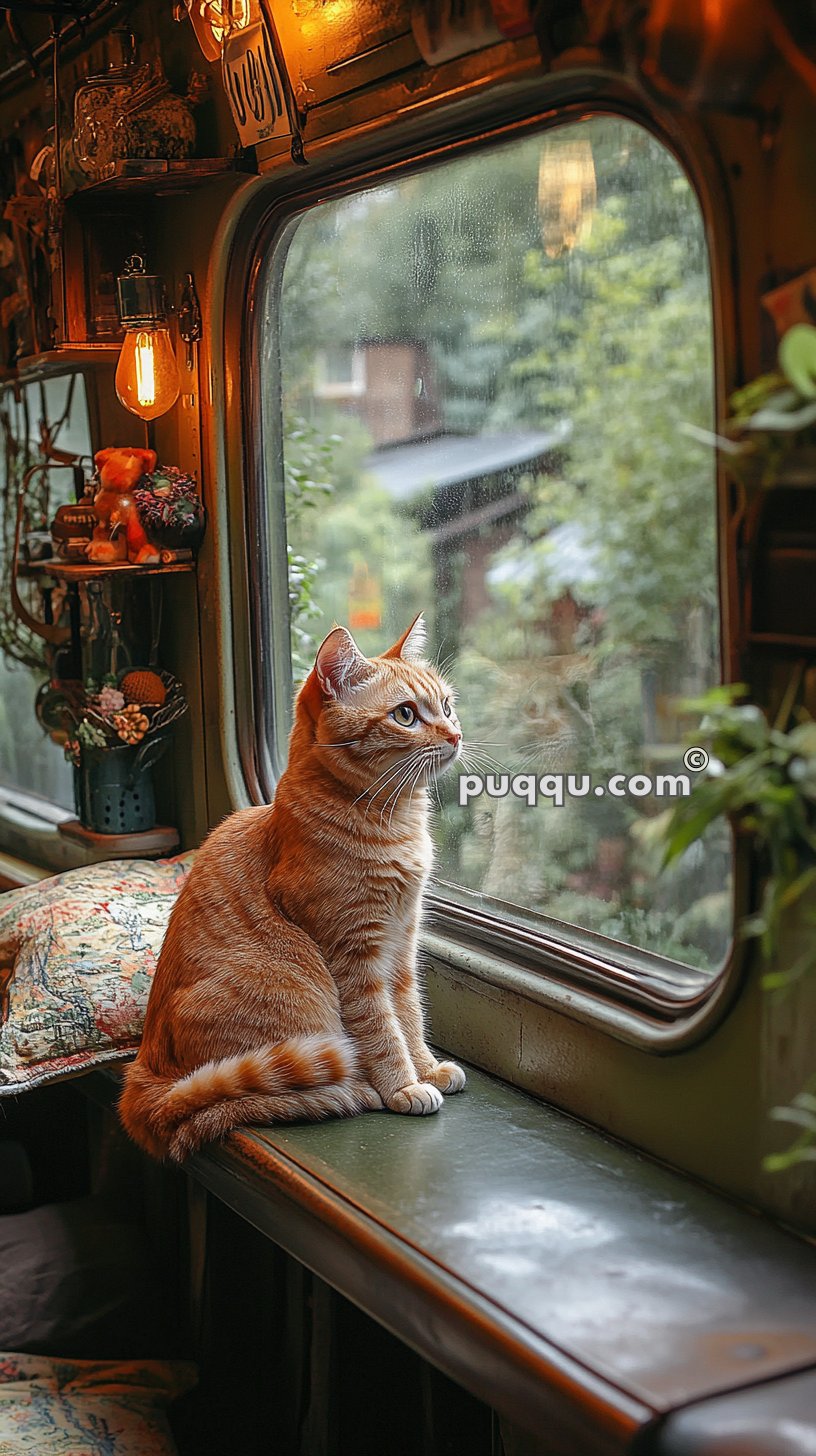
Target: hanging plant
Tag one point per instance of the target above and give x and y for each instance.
(763, 779)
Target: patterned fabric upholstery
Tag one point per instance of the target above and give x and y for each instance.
(88, 1407)
(77, 953)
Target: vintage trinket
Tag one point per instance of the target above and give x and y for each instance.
(72, 528)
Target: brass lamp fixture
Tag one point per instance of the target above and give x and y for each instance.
(147, 376)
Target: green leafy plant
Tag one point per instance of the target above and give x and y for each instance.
(771, 416)
(763, 779)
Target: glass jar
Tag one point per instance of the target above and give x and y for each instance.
(129, 113)
(98, 105)
(154, 123)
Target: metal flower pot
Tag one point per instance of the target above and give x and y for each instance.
(116, 787)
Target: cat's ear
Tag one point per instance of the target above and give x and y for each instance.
(340, 665)
(411, 645)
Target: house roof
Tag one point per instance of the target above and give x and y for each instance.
(410, 468)
(566, 555)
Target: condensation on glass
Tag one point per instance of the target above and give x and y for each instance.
(488, 371)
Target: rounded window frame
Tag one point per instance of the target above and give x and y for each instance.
(631, 1002)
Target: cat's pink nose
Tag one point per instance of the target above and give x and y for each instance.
(454, 738)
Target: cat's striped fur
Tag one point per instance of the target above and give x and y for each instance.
(286, 986)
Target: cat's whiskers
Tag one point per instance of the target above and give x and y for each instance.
(476, 759)
(394, 799)
(406, 770)
(419, 759)
(394, 794)
(427, 765)
(431, 766)
(477, 749)
(387, 774)
(410, 794)
(429, 754)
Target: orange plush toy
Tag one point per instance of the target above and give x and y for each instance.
(118, 535)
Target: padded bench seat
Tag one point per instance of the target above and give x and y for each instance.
(582, 1289)
(52, 1407)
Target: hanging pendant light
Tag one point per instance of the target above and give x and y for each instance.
(567, 192)
(147, 377)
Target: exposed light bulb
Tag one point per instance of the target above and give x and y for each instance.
(147, 380)
(145, 370)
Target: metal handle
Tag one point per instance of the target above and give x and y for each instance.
(147, 755)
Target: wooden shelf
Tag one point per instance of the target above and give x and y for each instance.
(803, 643)
(66, 356)
(79, 571)
(156, 177)
(148, 844)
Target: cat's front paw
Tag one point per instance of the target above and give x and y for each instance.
(447, 1077)
(418, 1099)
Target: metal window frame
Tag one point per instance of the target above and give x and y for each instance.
(560, 967)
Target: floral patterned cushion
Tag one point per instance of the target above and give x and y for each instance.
(88, 1407)
(77, 953)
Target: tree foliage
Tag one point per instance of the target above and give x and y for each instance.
(611, 342)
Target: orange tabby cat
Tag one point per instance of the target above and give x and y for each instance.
(286, 986)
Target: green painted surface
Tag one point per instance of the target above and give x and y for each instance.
(664, 1289)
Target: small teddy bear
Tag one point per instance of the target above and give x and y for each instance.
(118, 534)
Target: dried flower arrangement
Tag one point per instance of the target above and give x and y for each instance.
(122, 712)
(170, 508)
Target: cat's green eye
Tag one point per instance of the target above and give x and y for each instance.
(405, 714)
(446, 708)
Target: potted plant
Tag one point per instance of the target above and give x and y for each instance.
(762, 776)
(170, 509)
(773, 417)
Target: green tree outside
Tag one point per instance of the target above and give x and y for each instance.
(615, 338)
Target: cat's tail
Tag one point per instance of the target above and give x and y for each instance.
(153, 1107)
(342, 1099)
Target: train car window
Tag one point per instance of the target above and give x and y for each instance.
(488, 370)
(34, 419)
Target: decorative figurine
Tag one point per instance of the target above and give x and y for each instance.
(119, 535)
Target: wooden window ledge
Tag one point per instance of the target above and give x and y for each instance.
(576, 1286)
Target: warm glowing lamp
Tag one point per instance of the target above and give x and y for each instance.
(214, 20)
(147, 379)
(566, 192)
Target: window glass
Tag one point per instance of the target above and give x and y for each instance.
(487, 374)
(51, 414)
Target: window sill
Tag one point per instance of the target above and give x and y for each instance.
(29, 835)
(576, 1286)
(617, 1004)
